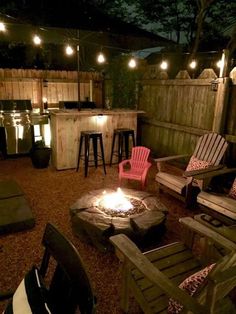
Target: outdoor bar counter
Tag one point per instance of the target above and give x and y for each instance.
(66, 125)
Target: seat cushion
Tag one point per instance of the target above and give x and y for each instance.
(30, 297)
(15, 215)
(9, 188)
(196, 164)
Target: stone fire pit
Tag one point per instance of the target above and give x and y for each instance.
(144, 223)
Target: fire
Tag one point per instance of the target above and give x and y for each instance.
(116, 201)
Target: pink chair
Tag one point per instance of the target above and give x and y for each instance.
(137, 166)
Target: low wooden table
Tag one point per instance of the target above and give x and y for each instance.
(95, 226)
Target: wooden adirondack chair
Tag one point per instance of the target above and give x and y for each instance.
(153, 277)
(219, 209)
(206, 157)
(138, 165)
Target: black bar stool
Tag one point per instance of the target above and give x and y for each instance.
(123, 135)
(86, 136)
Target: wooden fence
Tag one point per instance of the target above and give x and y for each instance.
(180, 110)
(55, 86)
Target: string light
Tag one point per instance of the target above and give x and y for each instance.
(37, 40)
(164, 65)
(101, 58)
(132, 63)
(193, 64)
(2, 27)
(69, 50)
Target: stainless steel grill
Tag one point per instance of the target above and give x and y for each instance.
(16, 121)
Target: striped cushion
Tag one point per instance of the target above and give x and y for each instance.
(29, 297)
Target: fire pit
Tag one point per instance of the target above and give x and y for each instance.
(100, 214)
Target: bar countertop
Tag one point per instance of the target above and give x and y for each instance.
(67, 124)
(92, 112)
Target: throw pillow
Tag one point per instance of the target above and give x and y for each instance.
(195, 164)
(30, 296)
(190, 285)
(232, 192)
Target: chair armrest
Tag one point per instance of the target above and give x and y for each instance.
(168, 158)
(199, 228)
(194, 173)
(214, 173)
(124, 162)
(148, 164)
(161, 161)
(129, 252)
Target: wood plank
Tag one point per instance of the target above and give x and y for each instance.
(174, 126)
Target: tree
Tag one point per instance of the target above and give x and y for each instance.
(185, 21)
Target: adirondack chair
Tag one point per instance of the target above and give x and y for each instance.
(219, 209)
(153, 277)
(138, 165)
(206, 157)
(66, 288)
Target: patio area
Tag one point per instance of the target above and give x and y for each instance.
(50, 193)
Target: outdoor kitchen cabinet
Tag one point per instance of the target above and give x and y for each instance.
(66, 125)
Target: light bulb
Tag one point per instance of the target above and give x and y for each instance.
(2, 27)
(132, 63)
(164, 65)
(69, 50)
(101, 58)
(193, 64)
(37, 40)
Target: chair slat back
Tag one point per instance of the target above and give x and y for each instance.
(70, 286)
(211, 147)
(139, 156)
(220, 281)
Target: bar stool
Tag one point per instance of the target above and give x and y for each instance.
(123, 135)
(86, 136)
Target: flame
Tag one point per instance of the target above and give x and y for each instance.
(116, 201)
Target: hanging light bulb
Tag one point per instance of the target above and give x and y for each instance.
(132, 63)
(2, 27)
(100, 58)
(164, 65)
(37, 40)
(69, 50)
(193, 64)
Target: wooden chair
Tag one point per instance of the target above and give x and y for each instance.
(153, 277)
(138, 165)
(219, 209)
(206, 157)
(68, 287)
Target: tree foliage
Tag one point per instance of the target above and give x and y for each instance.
(185, 21)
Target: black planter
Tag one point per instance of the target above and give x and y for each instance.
(40, 157)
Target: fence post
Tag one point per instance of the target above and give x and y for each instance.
(221, 105)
